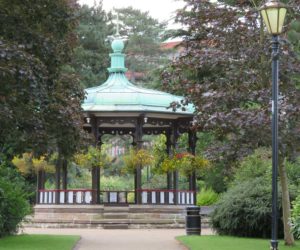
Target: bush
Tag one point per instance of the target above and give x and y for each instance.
(207, 197)
(245, 210)
(216, 177)
(296, 218)
(116, 183)
(293, 171)
(256, 165)
(13, 200)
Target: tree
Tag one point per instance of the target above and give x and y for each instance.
(90, 58)
(144, 34)
(225, 72)
(39, 98)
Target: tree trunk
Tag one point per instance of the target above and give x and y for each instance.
(286, 205)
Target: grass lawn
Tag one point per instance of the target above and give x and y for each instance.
(229, 243)
(38, 242)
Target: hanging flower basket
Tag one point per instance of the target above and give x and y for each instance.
(27, 163)
(186, 163)
(94, 157)
(137, 158)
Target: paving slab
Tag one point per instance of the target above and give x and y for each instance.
(117, 239)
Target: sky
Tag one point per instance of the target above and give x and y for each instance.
(162, 10)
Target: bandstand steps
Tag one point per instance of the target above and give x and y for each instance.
(99, 216)
(115, 209)
(115, 226)
(115, 216)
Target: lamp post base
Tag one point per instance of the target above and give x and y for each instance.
(274, 245)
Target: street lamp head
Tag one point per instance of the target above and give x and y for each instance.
(273, 13)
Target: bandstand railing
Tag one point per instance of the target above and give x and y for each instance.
(167, 197)
(69, 196)
(117, 197)
(148, 196)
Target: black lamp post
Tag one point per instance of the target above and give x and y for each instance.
(273, 13)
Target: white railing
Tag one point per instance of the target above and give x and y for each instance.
(70, 196)
(168, 197)
(148, 196)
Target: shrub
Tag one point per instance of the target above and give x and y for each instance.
(216, 177)
(13, 200)
(130, 197)
(296, 218)
(207, 197)
(293, 171)
(116, 183)
(256, 165)
(245, 210)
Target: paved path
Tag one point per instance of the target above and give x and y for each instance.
(133, 239)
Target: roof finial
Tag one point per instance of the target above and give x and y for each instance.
(118, 26)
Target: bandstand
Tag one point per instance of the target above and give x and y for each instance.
(118, 107)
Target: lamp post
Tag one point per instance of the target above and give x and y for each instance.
(273, 14)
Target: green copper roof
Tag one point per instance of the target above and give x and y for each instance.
(118, 94)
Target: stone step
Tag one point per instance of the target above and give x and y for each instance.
(155, 216)
(69, 209)
(115, 209)
(68, 216)
(115, 226)
(62, 225)
(115, 216)
(74, 221)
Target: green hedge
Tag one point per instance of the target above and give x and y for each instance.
(296, 217)
(14, 205)
(245, 210)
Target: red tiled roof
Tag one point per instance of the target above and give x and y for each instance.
(170, 45)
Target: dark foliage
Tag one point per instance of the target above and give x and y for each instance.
(39, 100)
(225, 71)
(90, 59)
(13, 200)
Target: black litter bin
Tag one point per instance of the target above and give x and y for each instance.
(193, 221)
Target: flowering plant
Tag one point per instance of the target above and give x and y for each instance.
(27, 163)
(137, 158)
(185, 163)
(94, 157)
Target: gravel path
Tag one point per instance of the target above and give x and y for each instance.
(133, 239)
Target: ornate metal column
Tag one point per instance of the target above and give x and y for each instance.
(192, 150)
(168, 151)
(137, 139)
(40, 184)
(65, 178)
(174, 139)
(95, 170)
(58, 167)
